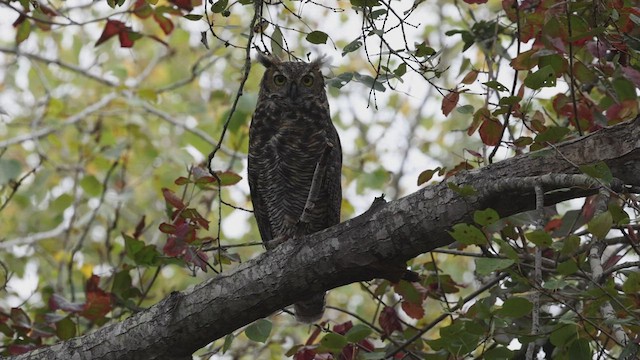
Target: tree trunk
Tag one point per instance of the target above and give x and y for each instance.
(349, 252)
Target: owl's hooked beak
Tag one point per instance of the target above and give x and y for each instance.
(292, 92)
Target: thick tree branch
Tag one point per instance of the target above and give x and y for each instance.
(345, 253)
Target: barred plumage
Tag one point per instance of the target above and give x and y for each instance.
(289, 132)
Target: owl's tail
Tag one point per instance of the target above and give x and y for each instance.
(310, 310)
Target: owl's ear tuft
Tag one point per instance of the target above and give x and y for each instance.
(320, 61)
(267, 60)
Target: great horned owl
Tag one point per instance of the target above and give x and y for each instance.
(289, 132)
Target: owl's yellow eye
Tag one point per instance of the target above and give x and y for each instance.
(279, 79)
(307, 80)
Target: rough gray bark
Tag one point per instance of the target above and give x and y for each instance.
(343, 254)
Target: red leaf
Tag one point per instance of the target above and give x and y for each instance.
(478, 118)
(491, 132)
(20, 319)
(342, 328)
(553, 225)
(139, 227)
(171, 199)
(305, 354)
(174, 246)
(19, 20)
(449, 102)
(470, 77)
(627, 109)
(389, 321)
(181, 181)
(98, 302)
(125, 39)
(413, 310)
(112, 28)
(20, 349)
(314, 335)
(166, 24)
(197, 258)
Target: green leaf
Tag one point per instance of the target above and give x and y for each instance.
(423, 50)
(499, 353)
(563, 334)
(570, 244)
(277, 42)
(358, 332)
(426, 175)
(369, 82)
(485, 217)
(132, 246)
(495, 85)
(464, 190)
(408, 292)
(624, 88)
(317, 37)
(61, 203)
(515, 307)
(352, 46)
(468, 234)
(361, 3)
(227, 342)
(9, 170)
(259, 331)
(553, 134)
(466, 109)
(340, 80)
(148, 95)
(228, 178)
(599, 170)
(539, 237)
(24, 29)
(620, 217)
(65, 328)
(400, 70)
(193, 17)
(632, 284)
(333, 342)
(486, 266)
(580, 349)
(219, 6)
(91, 186)
(544, 77)
(568, 267)
(554, 284)
(600, 225)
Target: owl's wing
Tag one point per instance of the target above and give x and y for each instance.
(259, 207)
(333, 180)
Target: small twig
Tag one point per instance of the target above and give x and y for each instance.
(245, 76)
(71, 67)
(104, 101)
